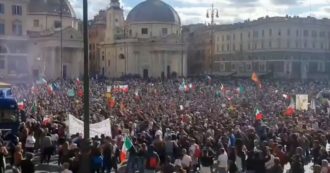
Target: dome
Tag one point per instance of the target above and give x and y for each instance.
(155, 11)
(51, 7)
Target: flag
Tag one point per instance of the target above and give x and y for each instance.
(123, 88)
(291, 110)
(50, 89)
(71, 93)
(111, 102)
(240, 90)
(56, 87)
(209, 79)
(80, 92)
(259, 115)
(34, 89)
(21, 105)
(127, 145)
(255, 78)
(34, 107)
(41, 81)
(313, 105)
(78, 82)
(109, 88)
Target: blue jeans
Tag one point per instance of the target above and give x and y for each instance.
(131, 164)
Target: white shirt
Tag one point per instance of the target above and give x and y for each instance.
(186, 161)
(223, 160)
(30, 141)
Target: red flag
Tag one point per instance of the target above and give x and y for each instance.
(255, 78)
(259, 115)
(80, 92)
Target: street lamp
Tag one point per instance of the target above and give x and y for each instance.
(212, 13)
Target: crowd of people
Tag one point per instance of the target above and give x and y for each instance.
(181, 125)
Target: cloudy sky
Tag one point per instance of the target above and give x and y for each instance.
(194, 11)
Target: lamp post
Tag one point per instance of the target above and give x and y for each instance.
(61, 37)
(85, 148)
(212, 13)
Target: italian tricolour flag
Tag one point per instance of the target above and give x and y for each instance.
(259, 115)
(127, 145)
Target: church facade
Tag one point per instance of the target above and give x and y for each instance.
(148, 43)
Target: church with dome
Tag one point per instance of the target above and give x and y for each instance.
(148, 43)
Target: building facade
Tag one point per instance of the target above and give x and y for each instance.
(284, 47)
(57, 49)
(13, 39)
(96, 34)
(148, 43)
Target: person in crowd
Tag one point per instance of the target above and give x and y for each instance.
(325, 166)
(168, 167)
(152, 161)
(206, 162)
(3, 154)
(66, 166)
(222, 161)
(27, 166)
(30, 142)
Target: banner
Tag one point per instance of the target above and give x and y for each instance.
(71, 93)
(301, 102)
(77, 126)
(109, 88)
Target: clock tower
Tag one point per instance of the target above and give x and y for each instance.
(115, 22)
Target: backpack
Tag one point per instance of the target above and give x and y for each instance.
(153, 162)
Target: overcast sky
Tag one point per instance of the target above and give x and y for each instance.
(194, 11)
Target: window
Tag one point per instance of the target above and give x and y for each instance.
(313, 45)
(288, 44)
(322, 34)
(263, 33)
(223, 48)
(279, 33)
(305, 44)
(241, 36)
(227, 47)
(262, 44)
(36, 23)
(2, 9)
(218, 48)
(17, 10)
(130, 32)
(297, 44)
(314, 34)
(297, 33)
(17, 28)
(234, 37)
(322, 45)
(289, 32)
(305, 33)
(228, 37)
(57, 24)
(144, 31)
(270, 44)
(270, 32)
(249, 34)
(223, 38)
(234, 47)
(109, 63)
(255, 34)
(240, 47)
(249, 46)
(2, 63)
(164, 31)
(2, 29)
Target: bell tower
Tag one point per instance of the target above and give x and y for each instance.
(115, 22)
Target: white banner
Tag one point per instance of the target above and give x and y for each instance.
(302, 102)
(97, 129)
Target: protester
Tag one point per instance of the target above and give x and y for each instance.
(257, 129)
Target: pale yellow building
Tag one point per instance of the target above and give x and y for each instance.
(282, 47)
(56, 45)
(13, 40)
(148, 43)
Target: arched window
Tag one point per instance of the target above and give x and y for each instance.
(121, 56)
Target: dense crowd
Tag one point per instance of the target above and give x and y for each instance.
(177, 126)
